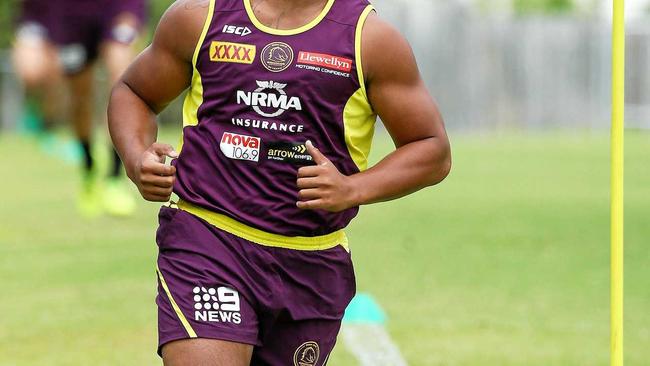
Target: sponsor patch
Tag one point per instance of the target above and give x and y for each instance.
(307, 354)
(240, 147)
(289, 152)
(233, 29)
(220, 305)
(277, 56)
(267, 125)
(325, 60)
(232, 52)
(269, 99)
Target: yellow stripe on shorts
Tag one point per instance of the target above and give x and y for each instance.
(178, 311)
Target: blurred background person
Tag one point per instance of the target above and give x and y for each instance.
(90, 30)
(36, 64)
(68, 37)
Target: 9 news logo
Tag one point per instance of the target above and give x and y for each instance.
(220, 305)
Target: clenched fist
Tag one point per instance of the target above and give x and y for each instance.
(322, 186)
(153, 178)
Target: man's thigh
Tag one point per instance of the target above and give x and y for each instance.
(206, 352)
(203, 288)
(317, 288)
(301, 343)
(35, 61)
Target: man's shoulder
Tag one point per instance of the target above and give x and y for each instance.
(187, 13)
(182, 24)
(383, 47)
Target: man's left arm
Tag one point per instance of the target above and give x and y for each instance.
(397, 93)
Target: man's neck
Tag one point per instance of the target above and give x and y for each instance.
(286, 14)
(290, 4)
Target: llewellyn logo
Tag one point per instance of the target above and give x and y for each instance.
(277, 56)
(232, 52)
(307, 354)
(325, 60)
(275, 99)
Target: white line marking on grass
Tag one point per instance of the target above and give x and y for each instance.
(371, 345)
(365, 336)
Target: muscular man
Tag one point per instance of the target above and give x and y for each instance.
(253, 264)
(58, 37)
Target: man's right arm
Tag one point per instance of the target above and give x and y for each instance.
(157, 76)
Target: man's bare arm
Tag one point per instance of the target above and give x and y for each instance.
(398, 95)
(157, 76)
(400, 98)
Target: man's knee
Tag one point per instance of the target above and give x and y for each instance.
(206, 352)
(35, 65)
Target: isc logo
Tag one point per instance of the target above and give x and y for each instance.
(232, 52)
(232, 29)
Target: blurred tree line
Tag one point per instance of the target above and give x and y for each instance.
(7, 10)
(543, 6)
(10, 10)
(532, 7)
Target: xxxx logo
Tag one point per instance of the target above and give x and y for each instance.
(232, 52)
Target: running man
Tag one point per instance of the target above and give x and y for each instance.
(36, 64)
(58, 37)
(253, 264)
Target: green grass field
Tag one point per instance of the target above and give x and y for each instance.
(505, 263)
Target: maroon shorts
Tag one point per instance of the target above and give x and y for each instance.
(287, 303)
(78, 27)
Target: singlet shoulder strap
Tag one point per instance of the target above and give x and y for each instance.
(229, 5)
(347, 11)
(357, 45)
(206, 26)
(194, 97)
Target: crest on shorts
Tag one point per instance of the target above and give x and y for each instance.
(277, 56)
(307, 354)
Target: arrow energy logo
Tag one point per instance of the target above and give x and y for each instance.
(288, 152)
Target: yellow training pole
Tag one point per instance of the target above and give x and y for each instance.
(617, 153)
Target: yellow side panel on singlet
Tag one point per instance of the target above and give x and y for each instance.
(194, 97)
(359, 121)
(358, 115)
